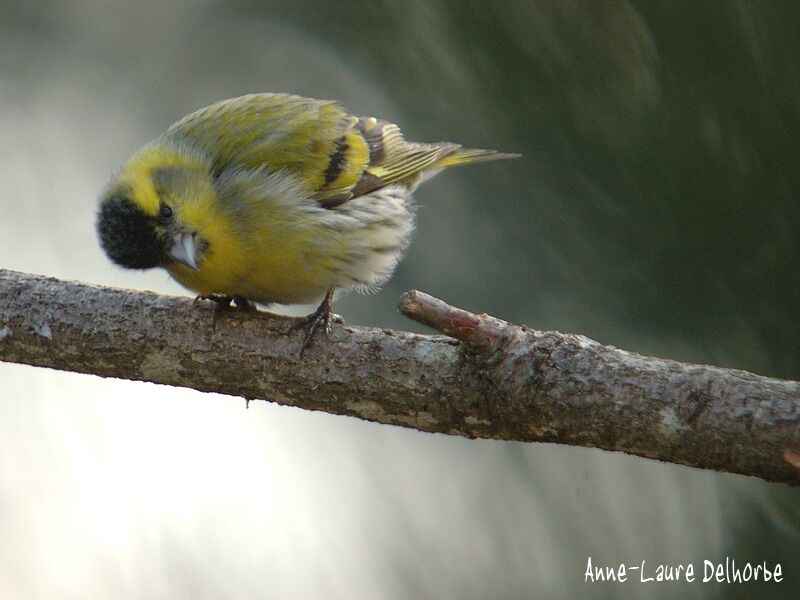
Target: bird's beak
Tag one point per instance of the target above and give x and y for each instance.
(183, 250)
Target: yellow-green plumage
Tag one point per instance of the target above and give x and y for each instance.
(277, 198)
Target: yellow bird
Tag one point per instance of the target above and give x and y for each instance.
(272, 198)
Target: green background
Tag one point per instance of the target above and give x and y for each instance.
(655, 208)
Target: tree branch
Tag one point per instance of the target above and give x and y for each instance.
(487, 379)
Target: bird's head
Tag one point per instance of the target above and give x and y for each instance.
(156, 210)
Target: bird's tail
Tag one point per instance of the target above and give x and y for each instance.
(465, 156)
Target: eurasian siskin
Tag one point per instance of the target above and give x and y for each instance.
(272, 198)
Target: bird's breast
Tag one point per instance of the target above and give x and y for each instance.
(293, 256)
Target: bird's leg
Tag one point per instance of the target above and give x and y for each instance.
(321, 316)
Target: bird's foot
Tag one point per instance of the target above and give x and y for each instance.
(223, 303)
(244, 304)
(322, 317)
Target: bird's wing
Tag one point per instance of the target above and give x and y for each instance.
(337, 155)
(273, 131)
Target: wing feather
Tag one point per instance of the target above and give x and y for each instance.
(335, 155)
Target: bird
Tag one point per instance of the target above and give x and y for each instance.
(272, 198)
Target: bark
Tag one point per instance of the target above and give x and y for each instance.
(485, 378)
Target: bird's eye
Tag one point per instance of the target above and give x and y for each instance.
(165, 212)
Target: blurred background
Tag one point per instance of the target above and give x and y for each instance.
(655, 209)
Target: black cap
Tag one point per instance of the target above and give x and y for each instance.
(128, 235)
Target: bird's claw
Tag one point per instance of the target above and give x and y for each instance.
(320, 317)
(244, 304)
(223, 303)
(221, 300)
